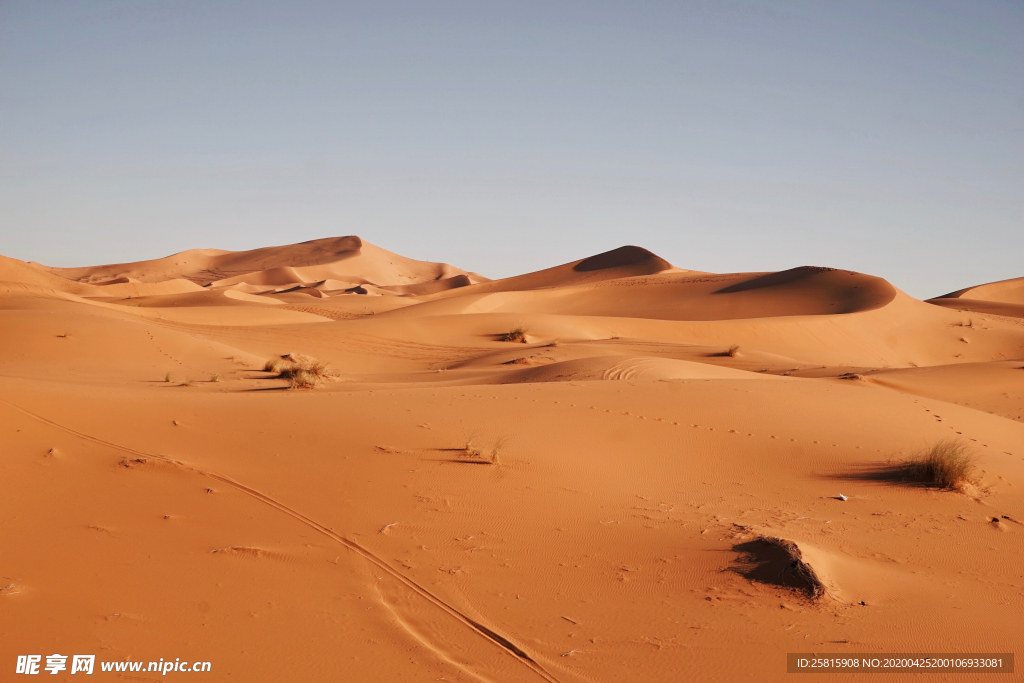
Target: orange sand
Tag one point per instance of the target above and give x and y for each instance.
(347, 533)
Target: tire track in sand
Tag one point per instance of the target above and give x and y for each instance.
(508, 646)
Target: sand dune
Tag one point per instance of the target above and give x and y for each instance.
(622, 262)
(117, 288)
(1004, 291)
(432, 287)
(681, 296)
(995, 387)
(197, 297)
(15, 272)
(1005, 297)
(586, 502)
(342, 258)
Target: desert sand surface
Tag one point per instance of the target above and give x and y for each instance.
(586, 502)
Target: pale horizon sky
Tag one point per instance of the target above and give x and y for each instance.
(506, 137)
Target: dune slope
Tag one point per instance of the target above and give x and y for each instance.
(1005, 297)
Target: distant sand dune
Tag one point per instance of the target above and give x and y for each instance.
(338, 258)
(677, 295)
(1005, 297)
(1004, 291)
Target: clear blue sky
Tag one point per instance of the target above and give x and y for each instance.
(885, 137)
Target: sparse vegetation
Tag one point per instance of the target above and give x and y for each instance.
(733, 351)
(215, 377)
(169, 377)
(302, 372)
(948, 465)
(273, 365)
(496, 450)
(187, 383)
(555, 342)
(516, 334)
(473, 450)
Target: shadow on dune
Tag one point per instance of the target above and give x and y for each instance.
(894, 473)
(783, 277)
(827, 289)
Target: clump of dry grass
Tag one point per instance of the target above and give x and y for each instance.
(733, 351)
(215, 377)
(555, 342)
(302, 372)
(516, 334)
(169, 377)
(948, 464)
(187, 383)
(496, 450)
(473, 450)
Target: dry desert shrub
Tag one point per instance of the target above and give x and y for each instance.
(477, 454)
(169, 377)
(302, 372)
(215, 377)
(516, 334)
(496, 450)
(187, 383)
(733, 351)
(471, 449)
(273, 365)
(947, 464)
